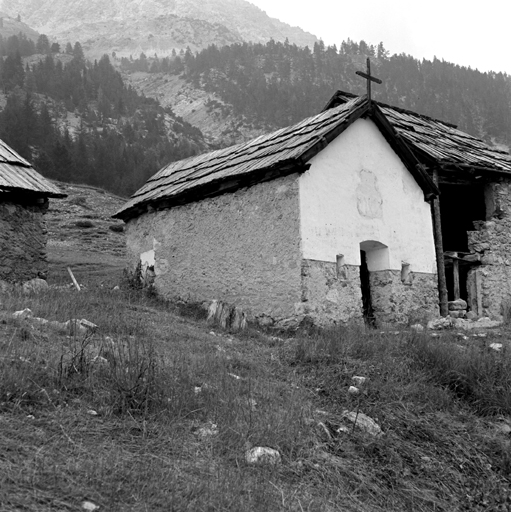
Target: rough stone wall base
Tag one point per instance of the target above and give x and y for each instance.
(22, 242)
(329, 296)
(332, 296)
(396, 302)
(489, 285)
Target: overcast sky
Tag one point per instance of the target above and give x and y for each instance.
(468, 33)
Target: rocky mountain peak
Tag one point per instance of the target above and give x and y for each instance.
(152, 26)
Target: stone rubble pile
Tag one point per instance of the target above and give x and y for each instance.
(457, 308)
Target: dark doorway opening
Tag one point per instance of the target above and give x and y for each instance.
(463, 270)
(460, 206)
(365, 284)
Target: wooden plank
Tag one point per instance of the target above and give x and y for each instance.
(75, 282)
(456, 276)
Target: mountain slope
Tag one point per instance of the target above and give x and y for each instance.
(275, 85)
(10, 26)
(129, 25)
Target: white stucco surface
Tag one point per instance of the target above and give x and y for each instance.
(358, 191)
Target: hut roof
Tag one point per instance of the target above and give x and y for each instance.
(420, 142)
(436, 142)
(18, 175)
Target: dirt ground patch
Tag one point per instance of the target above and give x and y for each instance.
(82, 235)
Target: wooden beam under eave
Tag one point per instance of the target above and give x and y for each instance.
(439, 250)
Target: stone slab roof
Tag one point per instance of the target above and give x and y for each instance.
(420, 141)
(436, 142)
(266, 157)
(18, 175)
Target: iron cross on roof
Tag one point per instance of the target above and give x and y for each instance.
(369, 78)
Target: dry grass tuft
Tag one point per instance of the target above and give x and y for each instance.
(155, 410)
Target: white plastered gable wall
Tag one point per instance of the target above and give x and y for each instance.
(358, 190)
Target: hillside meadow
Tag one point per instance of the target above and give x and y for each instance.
(156, 409)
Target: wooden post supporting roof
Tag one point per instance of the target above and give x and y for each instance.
(456, 276)
(439, 249)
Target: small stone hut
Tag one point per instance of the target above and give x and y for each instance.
(364, 210)
(24, 195)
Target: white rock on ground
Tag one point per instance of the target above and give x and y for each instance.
(417, 327)
(263, 455)
(24, 313)
(208, 431)
(353, 390)
(363, 422)
(496, 346)
(358, 380)
(89, 506)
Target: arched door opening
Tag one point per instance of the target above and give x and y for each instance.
(374, 256)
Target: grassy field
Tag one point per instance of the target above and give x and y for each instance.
(156, 409)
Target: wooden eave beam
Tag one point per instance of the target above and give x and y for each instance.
(215, 188)
(17, 191)
(472, 169)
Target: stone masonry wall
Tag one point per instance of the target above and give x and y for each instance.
(241, 247)
(328, 297)
(489, 285)
(22, 240)
(415, 300)
(333, 296)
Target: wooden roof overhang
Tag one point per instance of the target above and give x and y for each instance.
(17, 176)
(264, 159)
(215, 188)
(401, 148)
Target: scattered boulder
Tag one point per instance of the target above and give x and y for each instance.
(496, 346)
(89, 506)
(363, 422)
(353, 390)
(25, 313)
(5, 287)
(440, 323)
(35, 286)
(263, 455)
(503, 427)
(265, 321)
(207, 431)
(417, 327)
(482, 323)
(82, 326)
(457, 305)
(227, 316)
(358, 380)
(116, 228)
